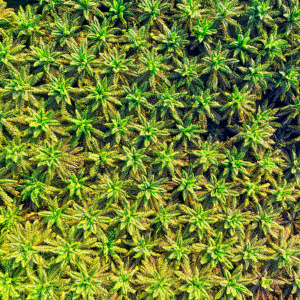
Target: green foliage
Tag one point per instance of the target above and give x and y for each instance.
(150, 150)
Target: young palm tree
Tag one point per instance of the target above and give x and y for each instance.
(10, 53)
(22, 246)
(129, 220)
(117, 66)
(188, 13)
(136, 38)
(157, 279)
(20, 86)
(153, 67)
(119, 127)
(188, 73)
(172, 41)
(119, 12)
(102, 35)
(208, 155)
(44, 57)
(27, 23)
(64, 29)
(217, 251)
(224, 11)
(136, 97)
(142, 247)
(242, 46)
(233, 286)
(291, 14)
(89, 219)
(87, 8)
(239, 104)
(70, 247)
(122, 279)
(152, 12)
(187, 131)
(102, 96)
(178, 248)
(134, 159)
(198, 219)
(169, 102)
(12, 281)
(84, 126)
(216, 64)
(188, 184)
(260, 15)
(168, 159)
(203, 104)
(149, 131)
(57, 159)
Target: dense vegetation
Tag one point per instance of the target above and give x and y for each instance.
(150, 150)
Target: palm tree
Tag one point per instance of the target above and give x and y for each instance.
(119, 11)
(10, 53)
(195, 281)
(134, 159)
(224, 11)
(42, 123)
(188, 13)
(242, 46)
(153, 67)
(84, 126)
(216, 64)
(46, 283)
(273, 45)
(157, 279)
(57, 159)
(168, 159)
(81, 59)
(122, 279)
(117, 65)
(102, 96)
(149, 131)
(22, 246)
(203, 104)
(152, 12)
(171, 41)
(198, 219)
(239, 104)
(260, 14)
(150, 191)
(203, 31)
(233, 286)
(27, 23)
(119, 127)
(20, 86)
(102, 35)
(168, 102)
(136, 97)
(87, 8)
(64, 29)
